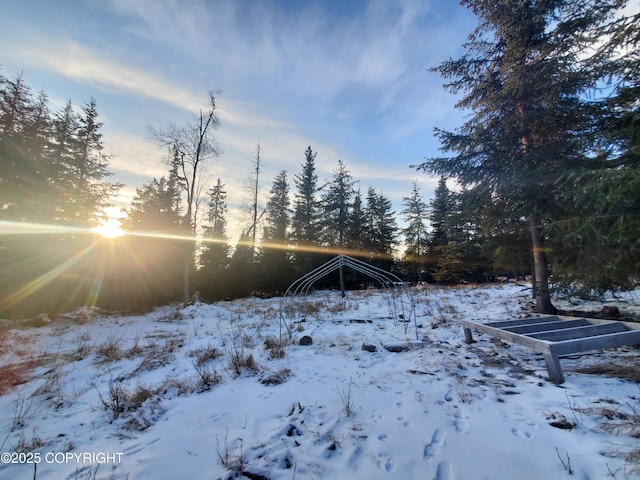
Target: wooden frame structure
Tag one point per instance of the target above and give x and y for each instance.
(554, 336)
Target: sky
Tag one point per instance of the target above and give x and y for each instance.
(350, 79)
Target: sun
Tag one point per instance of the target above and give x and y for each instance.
(109, 228)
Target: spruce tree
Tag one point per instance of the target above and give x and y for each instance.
(275, 260)
(39, 183)
(15, 106)
(278, 216)
(415, 233)
(357, 226)
(507, 244)
(521, 83)
(25, 189)
(600, 235)
(149, 267)
(241, 278)
(52, 167)
(38, 196)
(442, 207)
(305, 223)
(214, 258)
(336, 202)
(446, 249)
(382, 229)
(153, 210)
(86, 172)
(21, 257)
(63, 148)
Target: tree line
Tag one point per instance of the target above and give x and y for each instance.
(55, 181)
(546, 169)
(443, 240)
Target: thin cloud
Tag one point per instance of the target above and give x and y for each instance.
(136, 156)
(362, 62)
(100, 68)
(83, 64)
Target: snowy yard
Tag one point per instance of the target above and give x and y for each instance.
(206, 392)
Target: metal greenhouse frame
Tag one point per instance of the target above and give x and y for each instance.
(399, 298)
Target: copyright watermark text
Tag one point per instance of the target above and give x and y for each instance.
(60, 457)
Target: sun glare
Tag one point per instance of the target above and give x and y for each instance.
(110, 228)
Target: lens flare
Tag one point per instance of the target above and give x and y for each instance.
(109, 228)
(84, 268)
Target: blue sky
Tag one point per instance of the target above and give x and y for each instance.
(348, 78)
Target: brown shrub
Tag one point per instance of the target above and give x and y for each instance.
(14, 374)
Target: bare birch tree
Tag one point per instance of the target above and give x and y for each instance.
(192, 145)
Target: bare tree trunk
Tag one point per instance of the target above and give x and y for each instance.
(541, 272)
(192, 145)
(186, 284)
(254, 207)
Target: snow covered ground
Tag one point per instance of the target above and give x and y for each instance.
(206, 392)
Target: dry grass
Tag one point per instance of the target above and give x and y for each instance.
(135, 350)
(83, 346)
(207, 377)
(267, 314)
(203, 355)
(174, 315)
(438, 320)
(158, 355)
(121, 401)
(625, 372)
(231, 458)
(240, 361)
(110, 350)
(616, 419)
(341, 305)
(620, 420)
(28, 446)
(21, 409)
(180, 386)
(13, 374)
(275, 347)
(310, 307)
(558, 420)
(52, 387)
(4, 345)
(275, 378)
(347, 400)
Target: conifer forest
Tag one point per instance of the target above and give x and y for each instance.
(540, 181)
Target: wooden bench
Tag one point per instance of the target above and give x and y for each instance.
(554, 336)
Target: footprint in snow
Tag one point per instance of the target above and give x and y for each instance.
(383, 437)
(384, 462)
(460, 420)
(433, 448)
(519, 433)
(354, 458)
(406, 423)
(444, 471)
